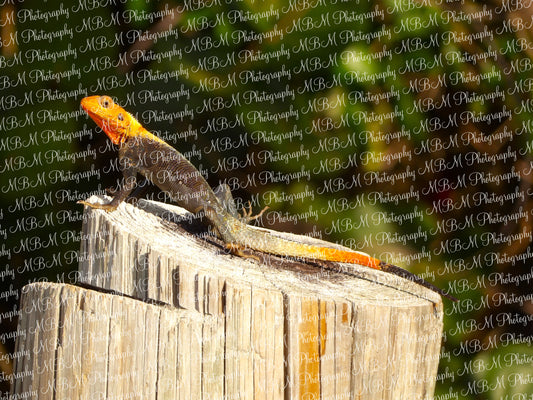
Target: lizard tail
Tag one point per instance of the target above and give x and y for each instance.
(268, 243)
(367, 261)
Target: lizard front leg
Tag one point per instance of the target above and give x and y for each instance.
(223, 194)
(119, 195)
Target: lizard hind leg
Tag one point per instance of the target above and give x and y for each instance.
(224, 196)
(240, 251)
(247, 215)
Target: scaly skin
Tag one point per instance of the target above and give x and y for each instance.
(142, 152)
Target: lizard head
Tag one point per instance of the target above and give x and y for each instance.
(116, 122)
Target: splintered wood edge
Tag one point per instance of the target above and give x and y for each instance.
(146, 224)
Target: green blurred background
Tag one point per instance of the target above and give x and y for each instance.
(398, 128)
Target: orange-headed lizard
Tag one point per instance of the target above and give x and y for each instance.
(142, 152)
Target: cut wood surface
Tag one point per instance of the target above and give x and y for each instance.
(272, 328)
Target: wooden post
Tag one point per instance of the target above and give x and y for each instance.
(223, 327)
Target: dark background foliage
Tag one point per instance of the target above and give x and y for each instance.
(412, 141)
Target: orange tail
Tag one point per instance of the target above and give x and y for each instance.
(350, 257)
(367, 261)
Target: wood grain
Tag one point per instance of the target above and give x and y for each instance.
(224, 327)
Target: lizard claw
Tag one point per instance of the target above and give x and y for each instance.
(237, 250)
(106, 207)
(247, 214)
(260, 213)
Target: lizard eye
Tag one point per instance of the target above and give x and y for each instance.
(120, 117)
(105, 102)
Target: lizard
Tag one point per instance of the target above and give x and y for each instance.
(143, 152)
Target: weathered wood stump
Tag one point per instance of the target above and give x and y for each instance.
(220, 326)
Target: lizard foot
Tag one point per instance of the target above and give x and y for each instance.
(106, 207)
(237, 250)
(247, 213)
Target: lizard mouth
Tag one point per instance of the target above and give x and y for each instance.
(88, 107)
(102, 118)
